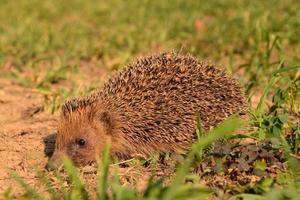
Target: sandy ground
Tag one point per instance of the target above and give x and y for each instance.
(24, 127)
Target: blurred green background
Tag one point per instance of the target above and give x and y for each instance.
(248, 38)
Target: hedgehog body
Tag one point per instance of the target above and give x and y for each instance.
(152, 105)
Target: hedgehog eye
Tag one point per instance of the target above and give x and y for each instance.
(81, 142)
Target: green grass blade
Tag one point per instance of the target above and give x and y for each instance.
(79, 188)
(285, 69)
(42, 177)
(30, 191)
(267, 89)
(62, 189)
(7, 195)
(103, 174)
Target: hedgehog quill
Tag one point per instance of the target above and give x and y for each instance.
(149, 106)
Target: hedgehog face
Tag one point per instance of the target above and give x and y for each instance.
(80, 147)
(81, 138)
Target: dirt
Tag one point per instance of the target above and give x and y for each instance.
(23, 127)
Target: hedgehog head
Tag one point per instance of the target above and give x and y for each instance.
(83, 132)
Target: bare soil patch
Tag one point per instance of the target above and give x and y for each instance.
(23, 126)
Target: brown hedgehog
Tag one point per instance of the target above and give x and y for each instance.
(150, 106)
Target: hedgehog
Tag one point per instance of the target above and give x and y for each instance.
(150, 106)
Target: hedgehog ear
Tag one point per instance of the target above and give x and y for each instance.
(107, 120)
